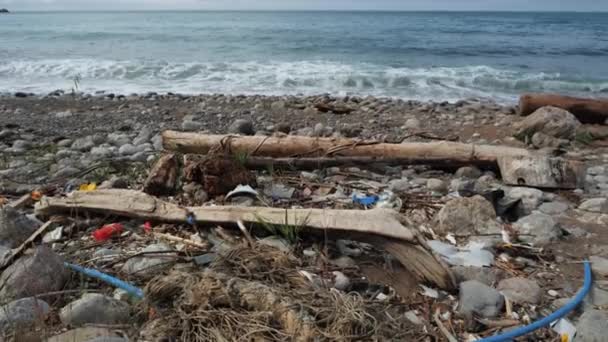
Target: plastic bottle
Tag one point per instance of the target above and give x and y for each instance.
(106, 232)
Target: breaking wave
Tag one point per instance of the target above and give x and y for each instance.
(274, 78)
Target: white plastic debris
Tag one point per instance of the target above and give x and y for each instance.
(388, 200)
(242, 190)
(429, 292)
(565, 329)
(341, 281)
(53, 236)
(552, 293)
(473, 254)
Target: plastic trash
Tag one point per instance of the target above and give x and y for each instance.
(242, 190)
(565, 329)
(36, 195)
(106, 232)
(473, 254)
(147, 226)
(388, 200)
(365, 200)
(88, 187)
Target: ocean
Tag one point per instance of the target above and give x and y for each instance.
(440, 56)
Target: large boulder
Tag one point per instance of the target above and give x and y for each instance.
(95, 308)
(468, 216)
(592, 326)
(40, 270)
(550, 121)
(538, 229)
(22, 314)
(15, 227)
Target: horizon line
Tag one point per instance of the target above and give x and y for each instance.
(307, 10)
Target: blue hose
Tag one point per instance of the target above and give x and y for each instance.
(561, 312)
(132, 290)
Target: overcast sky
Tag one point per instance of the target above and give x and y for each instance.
(500, 5)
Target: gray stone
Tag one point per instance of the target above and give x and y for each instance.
(83, 144)
(118, 139)
(276, 242)
(114, 182)
(596, 170)
(38, 271)
(468, 172)
(127, 150)
(108, 339)
(278, 106)
(595, 205)
(21, 145)
(597, 296)
(95, 308)
(15, 227)
(101, 152)
(144, 136)
(552, 121)
(542, 140)
(205, 259)
(157, 142)
(63, 115)
(485, 275)
(592, 326)
(399, 185)
(139, 157)
(65, 172)
(343, 262)
(412, 123)
(599, 265)
(151, 263)
(437, 185)
(553, 208)
(242, 126)
(22, 314)
(538, 229)
(480, 299)
(530, 198)
(468, 216)
(64, 143)
(521, 290)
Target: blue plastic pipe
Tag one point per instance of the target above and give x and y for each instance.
(132, 290)
(543, 322)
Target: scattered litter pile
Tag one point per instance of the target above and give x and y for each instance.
(283, 238)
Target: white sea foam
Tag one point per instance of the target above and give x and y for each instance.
(271, 78)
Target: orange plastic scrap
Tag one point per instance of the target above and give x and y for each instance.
(36, 195)
(88, 187)
(3, 200)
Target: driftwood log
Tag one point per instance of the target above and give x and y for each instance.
(592, 111)
(381, 224)
(434, 153)
(163, 176)
(550, 173)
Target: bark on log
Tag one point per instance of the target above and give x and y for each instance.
(290, 146)
(163, 176)
(592, 111)
(355, 223)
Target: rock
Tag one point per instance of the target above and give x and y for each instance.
(399, 185)
(412, 123)
(595, 205)
(552, 121)
(242, 126)
(15, 227)
(350, 130)
(521, 290)
(205, 259)
(95, 308)
(468, 216)
(599, 266)
(538, 229)
(144, 136)
(283, 127)
(485, 275)
(592, 326)
(101, 152)
(63, 115)
(86, 334)
(23, 314)
(318, 130)
(118, 139)
(468, 172)
(276, 242)
(21, 145)
(157, 142)
(437, 185)
(114, 183)
(480, 299)
(343, 262)
(127, 150)
(413, 317)
(38, 271)
(65, 172)
(598, 296)
(188, 125)
(83, 144)
(542, 140)
(553, 208)
(278, 106)
(152, 263)
(530, 198)
(108, 339)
